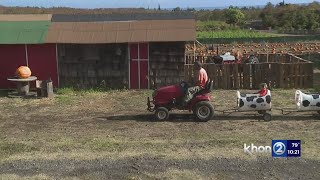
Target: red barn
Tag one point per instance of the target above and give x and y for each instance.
(136, 51)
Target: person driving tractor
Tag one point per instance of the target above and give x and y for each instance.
(199, 82)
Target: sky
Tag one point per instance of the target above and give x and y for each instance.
(143, 3)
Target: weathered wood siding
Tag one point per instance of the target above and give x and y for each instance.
(166, 63)
(92, 65)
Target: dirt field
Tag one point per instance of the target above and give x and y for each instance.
(110, 135)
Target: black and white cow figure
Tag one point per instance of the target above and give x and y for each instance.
(307, 102)
(253, 102)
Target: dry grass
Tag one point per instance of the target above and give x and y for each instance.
(17, 177)
(115, 124)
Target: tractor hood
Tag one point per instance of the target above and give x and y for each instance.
(166, 94)
(168, 89)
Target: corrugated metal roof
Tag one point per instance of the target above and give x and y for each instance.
(25, 17)
(122, 32)
(23, 32)
(121, 17)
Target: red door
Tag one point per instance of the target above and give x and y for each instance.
(139, 65)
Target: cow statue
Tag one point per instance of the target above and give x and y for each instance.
(254, 102)
(307, 102)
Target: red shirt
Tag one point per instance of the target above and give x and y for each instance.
(263, 92)
(203, 78)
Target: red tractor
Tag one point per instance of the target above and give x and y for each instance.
(168, 98)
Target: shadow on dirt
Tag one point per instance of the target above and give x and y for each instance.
(4, 93)
(191, 118)
(150, 117)
(14, 94)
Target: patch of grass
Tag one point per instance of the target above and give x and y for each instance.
(65, 144)
(65, 91)
(64, 99)
(109, 145)
(7, 148)
(83, 91)
(315, 89)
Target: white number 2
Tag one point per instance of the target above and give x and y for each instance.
(279, 148)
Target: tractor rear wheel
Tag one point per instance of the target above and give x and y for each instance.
(203, 111)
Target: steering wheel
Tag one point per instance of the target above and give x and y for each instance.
(184, 85)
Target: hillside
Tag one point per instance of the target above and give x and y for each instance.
(64, 10)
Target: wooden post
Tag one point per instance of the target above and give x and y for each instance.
(246, 76)
(291, 75)
(191, 73)
(253, 73)
(310, 75)
(215, 76)
(228, 74)
(186, 74)
(240, 71)
(220, 75)
(236, 76)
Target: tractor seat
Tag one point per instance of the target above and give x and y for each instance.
(208, 87)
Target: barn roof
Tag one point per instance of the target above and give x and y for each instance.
(25, 17)
(91, 29)
(24, 28)
(122, 32)
(23, 32)
(121, 28)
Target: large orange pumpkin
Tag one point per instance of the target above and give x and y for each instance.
(23, 72)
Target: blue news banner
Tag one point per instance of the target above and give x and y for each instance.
(286, 148)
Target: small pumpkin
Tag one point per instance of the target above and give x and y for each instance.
(23, 72)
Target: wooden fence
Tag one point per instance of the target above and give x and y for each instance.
(249, 76)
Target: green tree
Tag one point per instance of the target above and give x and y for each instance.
(191, 9)
(234, 16)
(268, 16)
(177, 9)
(300, 20)
(313, 20)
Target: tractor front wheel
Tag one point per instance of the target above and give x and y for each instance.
(162, 113)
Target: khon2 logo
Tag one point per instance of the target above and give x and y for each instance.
(279, 148)
(286, 148)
